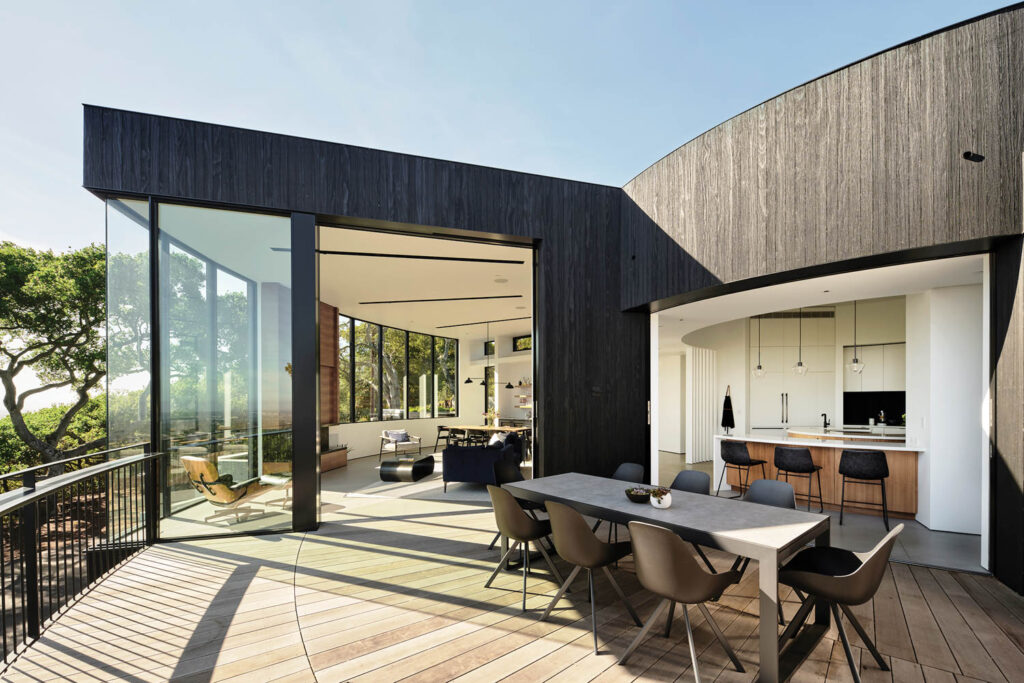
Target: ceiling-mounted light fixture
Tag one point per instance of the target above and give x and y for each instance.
(855, 366)
(759, 371)
(800, 368)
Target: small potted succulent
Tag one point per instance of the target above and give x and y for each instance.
(661, 497)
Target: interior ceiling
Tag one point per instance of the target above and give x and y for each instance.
(910, 278)
(354, 283)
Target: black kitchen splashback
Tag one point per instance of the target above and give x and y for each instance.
(859, 406)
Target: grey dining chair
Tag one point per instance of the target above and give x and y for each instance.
(778, 494)
(841, 578)
(695, 481)
(632, 472)
(666, 567)
(577, 544)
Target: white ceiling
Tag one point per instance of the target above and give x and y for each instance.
(349, 282)
(675, 323)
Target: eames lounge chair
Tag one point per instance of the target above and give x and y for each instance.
(221, 491)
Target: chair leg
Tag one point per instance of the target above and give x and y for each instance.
(725, 468)
(798, 620)
(446, 487)
(671, 616)
(526, 569)
(593, 607)
(596, 524)
(551, 565)
(693, 649)
(842, 501)
(763, 475)
(864, 638)
(622, 596)
(782, 619)
(501, 563)
(821, 499)
(721, 636)
(701, 555)
(746, 477)
(494, 541)
(560, 593)
(846, 643)
(643, 632)
(885, 507)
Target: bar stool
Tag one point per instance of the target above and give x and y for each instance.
(735, 456)
(839, 578)
(579, 546)
(864, 467)
(798, 463)
(665, 567)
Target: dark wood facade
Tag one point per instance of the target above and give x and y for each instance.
(864, 166)
(592, 362)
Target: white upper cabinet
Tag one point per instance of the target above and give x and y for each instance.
(894, 375)
(885, 368)
(872, 376)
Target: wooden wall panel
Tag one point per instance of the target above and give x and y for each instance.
(861, 162)
(591, 385)
(328, 364)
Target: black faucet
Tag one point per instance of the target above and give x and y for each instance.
(824, 421)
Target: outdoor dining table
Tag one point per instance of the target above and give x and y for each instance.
(767, 534)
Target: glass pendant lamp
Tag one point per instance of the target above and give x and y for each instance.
(759, 371)
(800, 368)
(855, 366)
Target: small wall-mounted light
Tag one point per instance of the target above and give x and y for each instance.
(974, 156)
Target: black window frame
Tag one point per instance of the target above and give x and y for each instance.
(515, 341)
(380, 369)
(489, 347)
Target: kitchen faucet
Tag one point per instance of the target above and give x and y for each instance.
(824, 421)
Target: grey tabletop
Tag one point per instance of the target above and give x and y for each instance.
(748, 529)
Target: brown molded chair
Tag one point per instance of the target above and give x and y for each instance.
(666, 567)
(521, 528)
(221, 492)
(579, 546)
(841, 578)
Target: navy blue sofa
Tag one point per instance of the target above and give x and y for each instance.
(474, 464)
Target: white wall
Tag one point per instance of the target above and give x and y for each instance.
(729, 342)
(945, 405)
(671, 386)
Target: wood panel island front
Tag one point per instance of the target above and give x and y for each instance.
(900, 487)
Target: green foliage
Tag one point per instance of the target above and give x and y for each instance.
(88, 424)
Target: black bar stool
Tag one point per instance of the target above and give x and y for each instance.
(864, 467)
(736, 456)
(798, 463)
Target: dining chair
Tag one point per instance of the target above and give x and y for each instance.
(442, 433)
(772, 492)
(580, 547)
(695, 481)
(842, 579)
(521, 529)
(632, 472)
(508, 472)
(666, 567)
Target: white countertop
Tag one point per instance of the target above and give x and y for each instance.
(781, 439)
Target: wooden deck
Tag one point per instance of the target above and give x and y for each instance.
(392, 589)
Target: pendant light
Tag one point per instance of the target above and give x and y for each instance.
(855, 366)
(509, 386)
(800, 368)
(759, 371)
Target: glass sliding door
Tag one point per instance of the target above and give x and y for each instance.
(420, 375)
(225, 310)
(129, 344)
(393, 374)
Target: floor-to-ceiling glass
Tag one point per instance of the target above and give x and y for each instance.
(225, 313)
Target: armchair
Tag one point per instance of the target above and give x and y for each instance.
(220, 491)
(397, 441)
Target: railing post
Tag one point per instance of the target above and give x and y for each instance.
(29, 553)
(28, 481)
(150, 493)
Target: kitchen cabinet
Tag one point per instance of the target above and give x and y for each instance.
(894, 367)
(885, 368)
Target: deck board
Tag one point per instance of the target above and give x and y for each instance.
(392, 589)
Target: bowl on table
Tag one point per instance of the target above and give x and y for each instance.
(638, 494)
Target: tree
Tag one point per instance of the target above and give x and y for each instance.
(51, 317)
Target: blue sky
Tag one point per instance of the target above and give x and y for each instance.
(593, 91)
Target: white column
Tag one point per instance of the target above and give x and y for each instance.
(652, 404)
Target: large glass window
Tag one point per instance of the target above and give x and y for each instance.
(129, 345)
(446, 353)
(420, 375)
(344, 369)
(367, 375)
(225, 310)
(393, 374)
(489, 407)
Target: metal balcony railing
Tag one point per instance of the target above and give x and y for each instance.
(61, 533)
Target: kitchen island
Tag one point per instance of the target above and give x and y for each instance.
(826, 449)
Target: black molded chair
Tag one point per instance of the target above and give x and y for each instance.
(735, 456)
(797, 462)
(442, 433)
(692, 481)
(840, 578)
(864, 467)
(778, 494)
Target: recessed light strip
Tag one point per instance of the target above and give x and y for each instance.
(482, 322)
(419, 257)
(454, 298)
